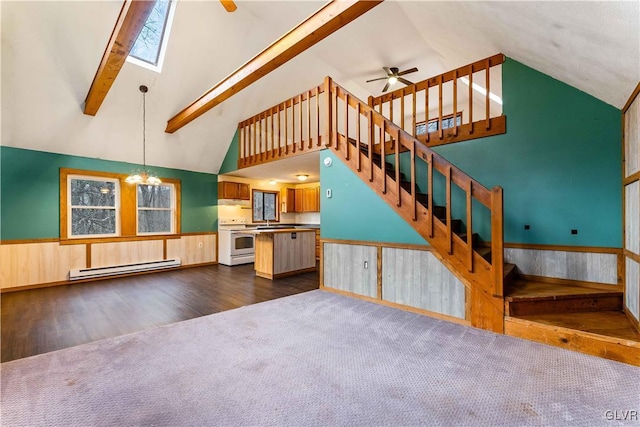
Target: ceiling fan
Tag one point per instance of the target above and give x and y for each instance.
(229, 5)
(394, 76)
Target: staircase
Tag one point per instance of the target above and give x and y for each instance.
(583, 317)
(459, 217)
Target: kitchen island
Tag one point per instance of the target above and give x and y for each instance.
(284, 252)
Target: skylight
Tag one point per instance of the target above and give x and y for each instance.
(150, 47)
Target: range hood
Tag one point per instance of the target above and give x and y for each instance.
(234, 202)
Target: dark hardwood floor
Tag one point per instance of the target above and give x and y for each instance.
(42, 320)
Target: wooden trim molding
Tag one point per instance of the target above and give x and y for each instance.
(632, 178)
(570, 282)
(632, 98)
(326, 21)
(25, 241)
(399, 306)
(561, 248)
(95, 279)
(631, 255)
(107, 240)
(380, 244)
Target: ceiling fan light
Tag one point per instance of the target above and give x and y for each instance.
(393, 80)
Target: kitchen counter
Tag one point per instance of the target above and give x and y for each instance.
(281, 252)
(279, 230)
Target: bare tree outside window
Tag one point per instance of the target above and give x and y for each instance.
(147, 46)
(93, 207)
(265, 206)
(155, 208)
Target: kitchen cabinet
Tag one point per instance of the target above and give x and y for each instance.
(284, 252)
(311, 199)
(298, 201)
(288, 200)
(233, 190)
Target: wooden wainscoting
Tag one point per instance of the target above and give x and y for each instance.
(577, 263)
(24, 264)
(374, 271)
(46, 262)
(194, 249)
(120, 253)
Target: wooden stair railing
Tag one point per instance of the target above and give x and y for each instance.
(354, 131)
(290, 128)
(412, 105)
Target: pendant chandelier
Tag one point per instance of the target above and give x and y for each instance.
(143, 176)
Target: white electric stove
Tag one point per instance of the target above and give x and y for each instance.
(235, 246)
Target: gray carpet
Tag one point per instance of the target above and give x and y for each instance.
(316, 359)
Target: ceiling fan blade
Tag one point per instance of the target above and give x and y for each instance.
(409, 71)
(386, 87)
(375, 80)
(229, 5)
(387, 70)
(405, 81)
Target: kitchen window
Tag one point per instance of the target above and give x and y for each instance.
(265, 206)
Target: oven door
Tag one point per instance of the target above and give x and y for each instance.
(242, 243)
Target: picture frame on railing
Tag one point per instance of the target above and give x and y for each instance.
(422, 128)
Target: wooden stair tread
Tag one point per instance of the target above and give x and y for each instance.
(534, 290)
(614, 324)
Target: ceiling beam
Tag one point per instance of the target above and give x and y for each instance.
(133, 15)
(327, 20)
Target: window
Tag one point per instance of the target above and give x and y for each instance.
(93, 207)
(156, 209)
(150, 47)
(447, 122)
(265, 206)
(101, 205)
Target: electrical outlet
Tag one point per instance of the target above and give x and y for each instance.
(366, 264)
(574, 231)
(200, 245)
(527, 226)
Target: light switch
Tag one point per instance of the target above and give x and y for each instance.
(328, 193)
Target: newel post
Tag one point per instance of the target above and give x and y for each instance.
(497, 240)
(328, 111)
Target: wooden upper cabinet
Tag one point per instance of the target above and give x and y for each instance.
(311, 199)
(233, 190)
(298, 200)
(288, 200)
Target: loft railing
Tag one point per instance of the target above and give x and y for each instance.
(454, 106)
(290, 128)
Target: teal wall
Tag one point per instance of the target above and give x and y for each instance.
(230, 162)
(355, 211)
(559, 165)
(30, 194)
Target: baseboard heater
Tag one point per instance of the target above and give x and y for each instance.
(89, 273)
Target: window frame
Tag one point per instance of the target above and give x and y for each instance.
(128, 222)
(164, 41)
(436, 120)
(171, 209)
(71, 207)
(253, 197)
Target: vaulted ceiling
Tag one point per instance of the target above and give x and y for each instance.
(51, 50)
